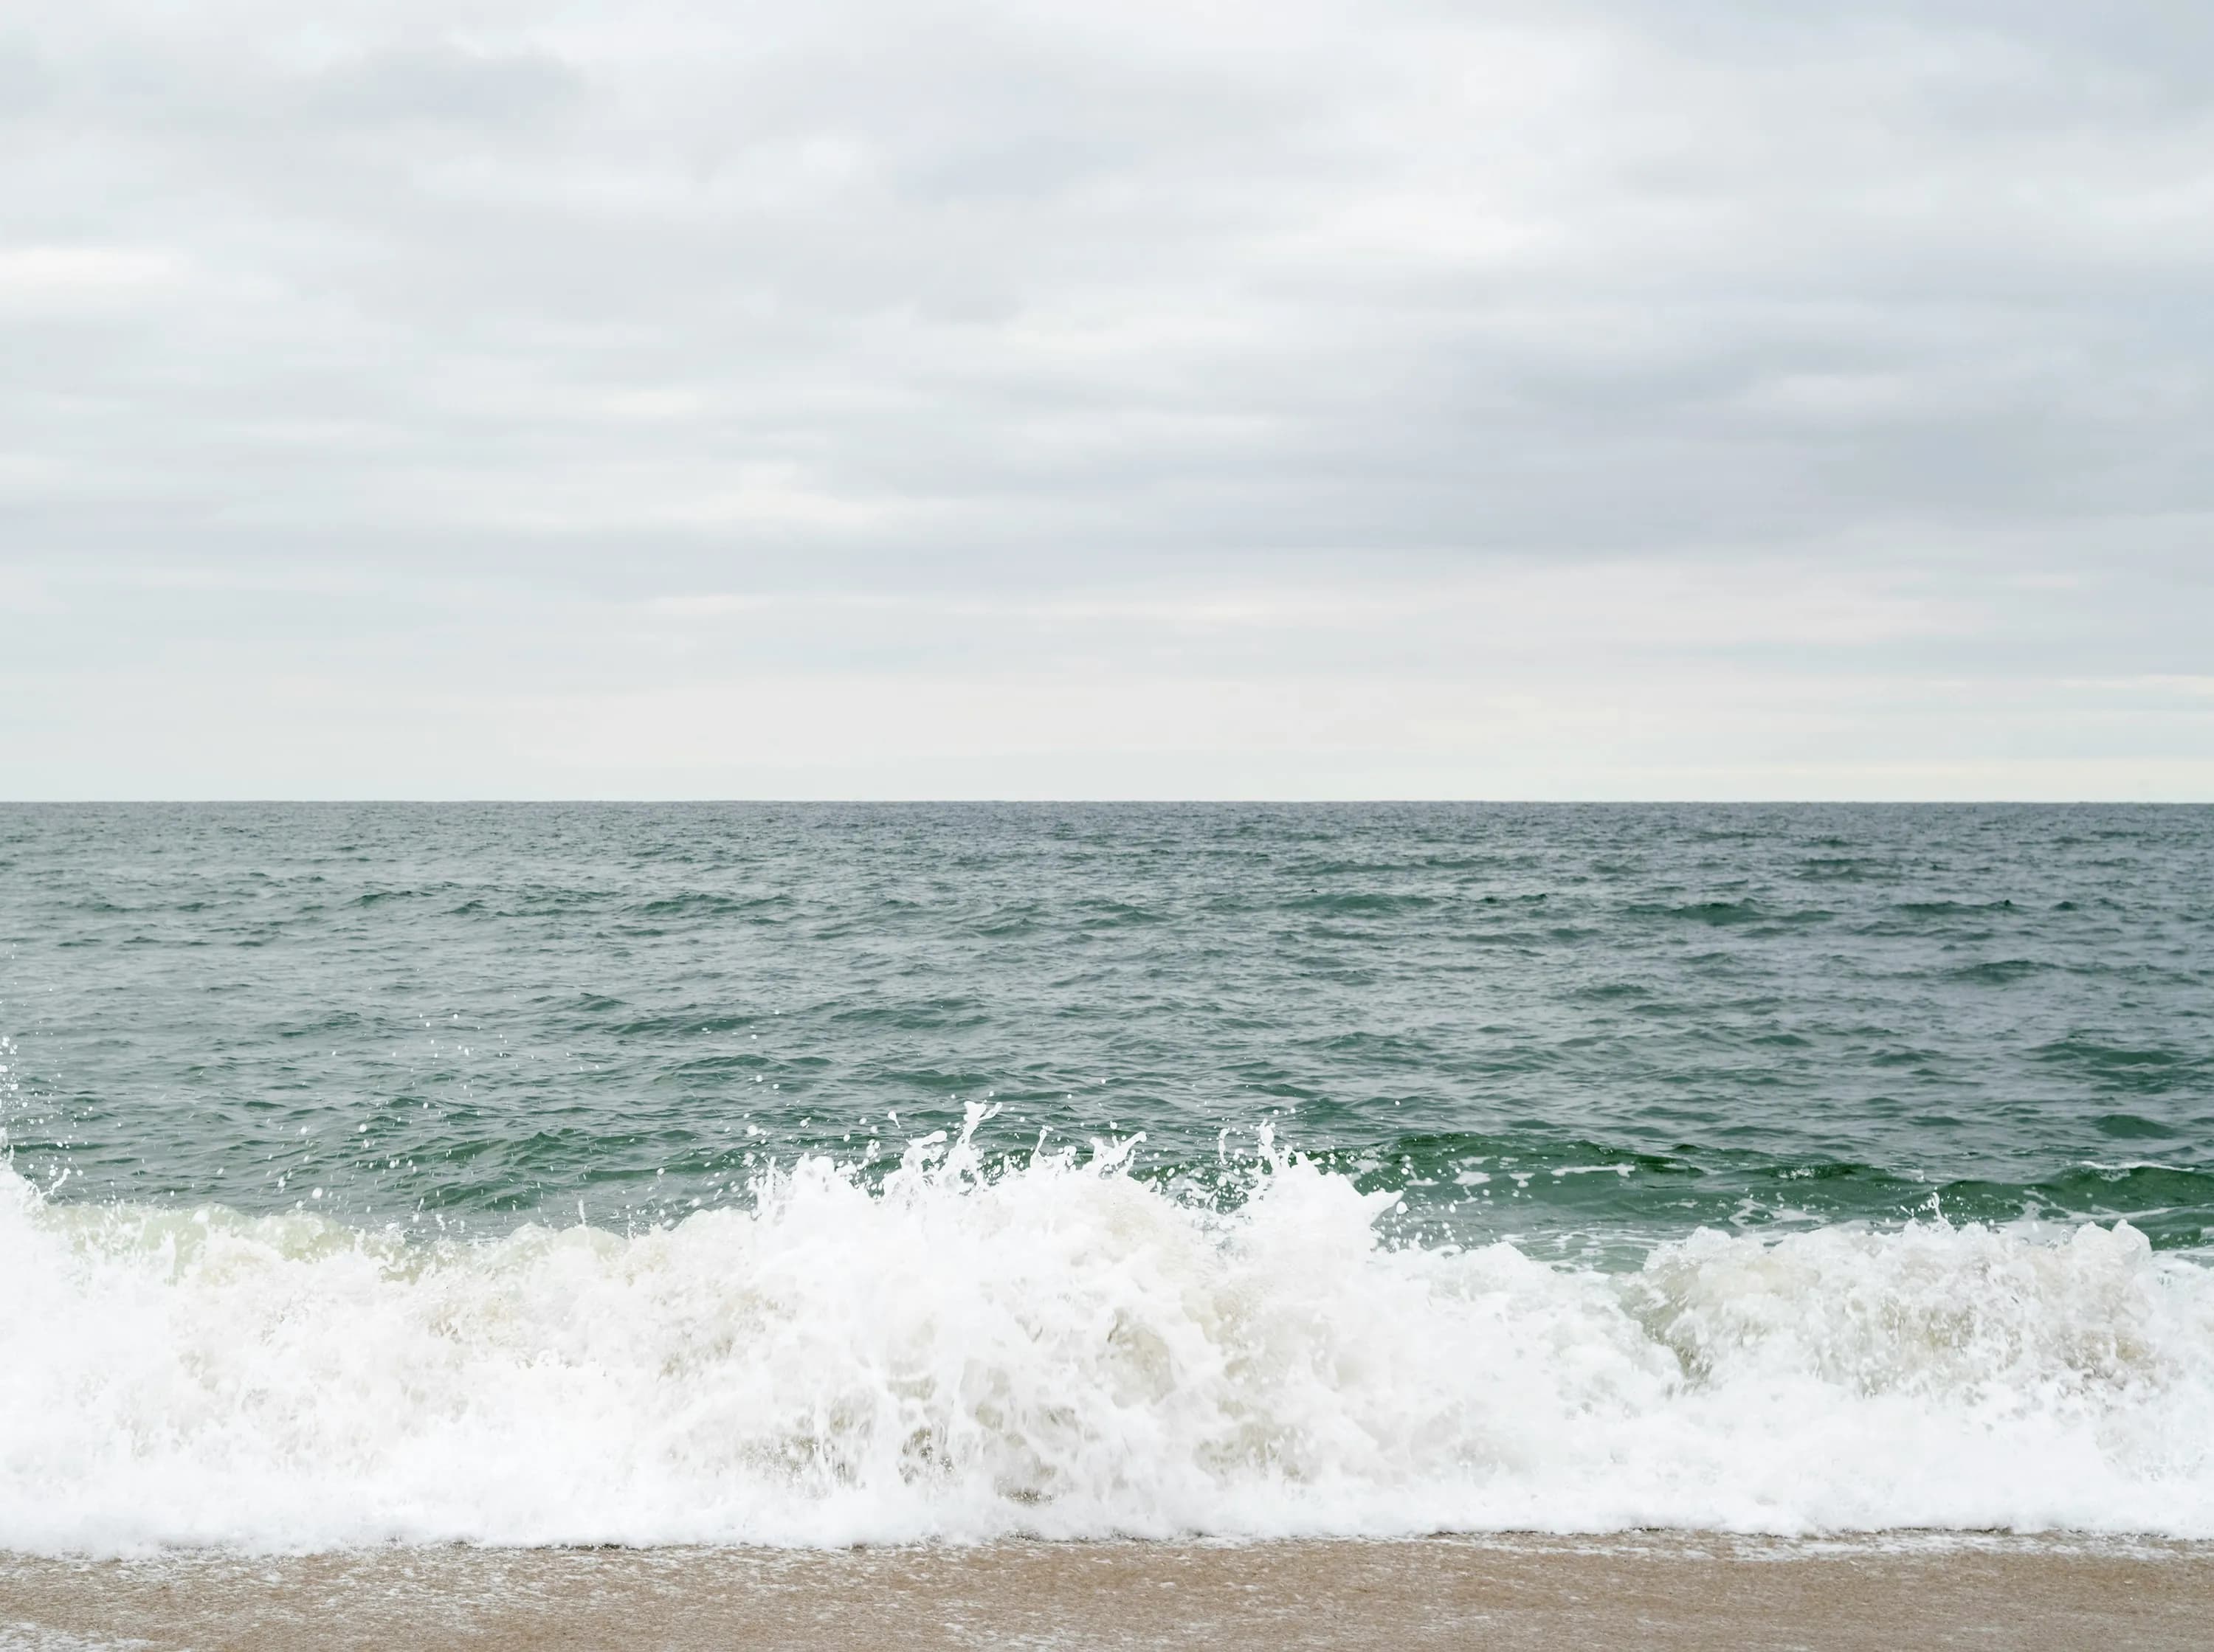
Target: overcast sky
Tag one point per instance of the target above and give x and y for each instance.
(1660, 397)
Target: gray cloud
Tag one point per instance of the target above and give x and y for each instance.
(468, 345)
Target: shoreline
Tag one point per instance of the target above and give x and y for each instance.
(1662, 1589)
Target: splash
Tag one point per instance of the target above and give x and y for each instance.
(1049, 1346)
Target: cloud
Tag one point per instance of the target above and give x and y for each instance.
(1323, 339)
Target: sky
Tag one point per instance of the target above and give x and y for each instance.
(1642, 399)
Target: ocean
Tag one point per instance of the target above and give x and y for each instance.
(823, 1174)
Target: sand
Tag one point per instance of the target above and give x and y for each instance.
(1655, 1590)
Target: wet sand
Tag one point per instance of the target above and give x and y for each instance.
(1654, 1590)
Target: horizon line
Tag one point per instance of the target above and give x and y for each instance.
(1162, 802)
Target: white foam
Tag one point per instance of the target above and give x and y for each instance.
(1060, 1350)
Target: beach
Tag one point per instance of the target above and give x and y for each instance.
(1094, 825)
(1660, 1590)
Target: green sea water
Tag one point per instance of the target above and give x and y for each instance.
(1588, 1029)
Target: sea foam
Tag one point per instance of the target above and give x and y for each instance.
(1057, 1348)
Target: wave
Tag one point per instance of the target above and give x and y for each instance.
(1052, 1347)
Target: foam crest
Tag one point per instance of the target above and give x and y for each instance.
(1056, 1348)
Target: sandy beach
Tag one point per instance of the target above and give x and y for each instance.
(1650, 1590)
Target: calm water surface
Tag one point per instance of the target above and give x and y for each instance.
(1587, 1028)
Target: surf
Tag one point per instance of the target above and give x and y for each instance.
(1049, 1345)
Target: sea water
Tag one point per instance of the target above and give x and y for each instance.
(532, 1174)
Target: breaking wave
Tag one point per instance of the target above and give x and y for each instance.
(1053, 1347)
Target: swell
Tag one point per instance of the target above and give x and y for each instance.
(1054, 1347)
